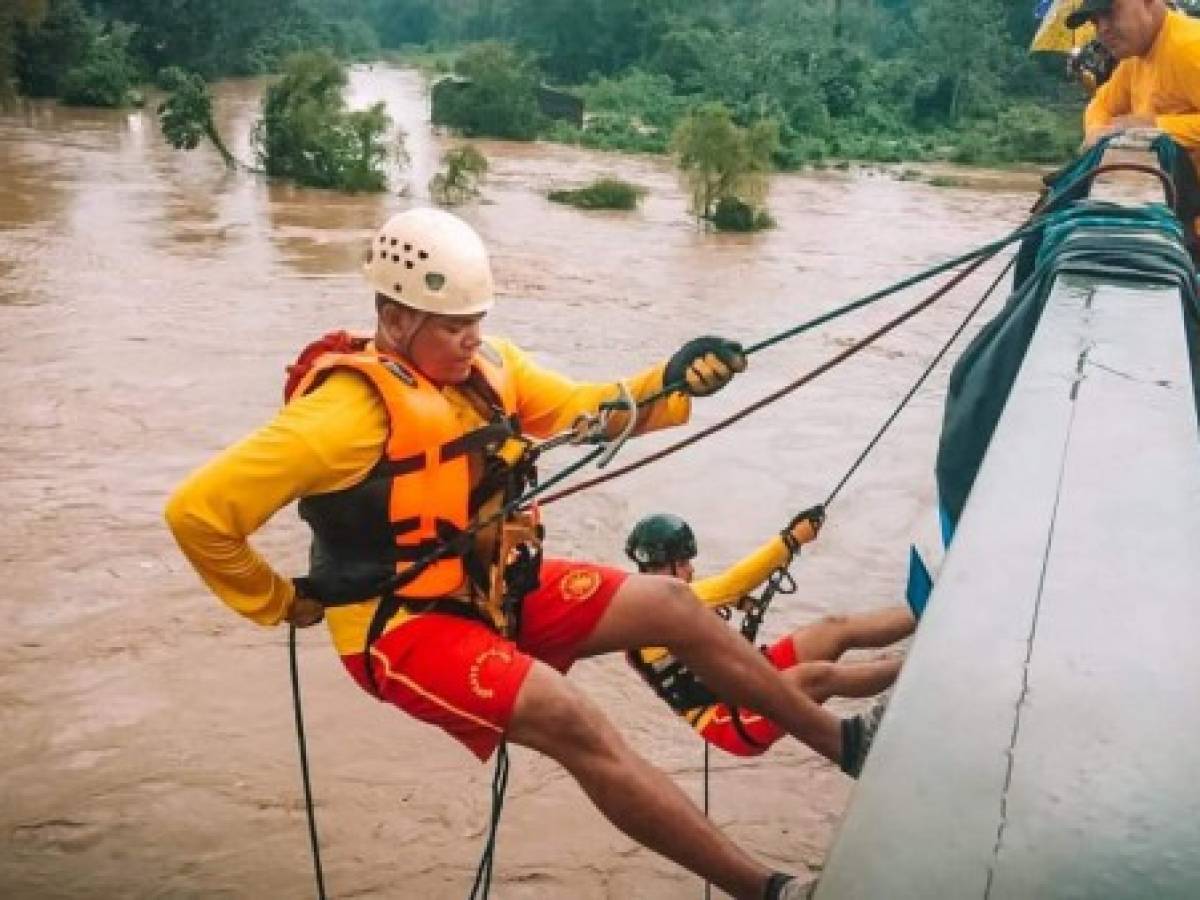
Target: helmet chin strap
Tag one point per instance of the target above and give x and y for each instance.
(402, 344)
(406, 340)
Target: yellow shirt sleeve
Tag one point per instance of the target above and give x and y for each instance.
(548, 402)
(743, 576)
(325, 441)
(1111, 100)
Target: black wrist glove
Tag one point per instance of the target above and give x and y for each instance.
(704, 365)
(813, 517)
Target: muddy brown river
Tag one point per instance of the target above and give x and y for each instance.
(149, 302)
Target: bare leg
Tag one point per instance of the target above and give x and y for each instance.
(652, 611)
(554, 718)
(822, 680)
(834, 635)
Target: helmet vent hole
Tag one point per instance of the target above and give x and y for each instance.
(435, 281)
(399, 289)
(395, 258)
(393, 242)
(422, 254)
(408, 264)
(408, 248)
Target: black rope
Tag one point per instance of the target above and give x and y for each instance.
(483, 874)
(707, 883)
(919, 382)
(303, 746)
(985, 252)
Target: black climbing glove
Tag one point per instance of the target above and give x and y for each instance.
(797, 530)
(305, 610)
(704, 365)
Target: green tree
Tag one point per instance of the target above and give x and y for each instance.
(721, 160)
(13, 15)
(307, 134)
(107, 73)
(960, 41)
(465, 168)
(47, 50)
(186, 115)
(496, 97)
(575, 38)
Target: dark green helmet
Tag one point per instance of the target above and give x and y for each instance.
(660, 539)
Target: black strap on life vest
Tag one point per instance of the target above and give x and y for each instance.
(521, 575)
(674, 682)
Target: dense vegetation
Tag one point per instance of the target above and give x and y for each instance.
(603, 193)
(869, 79)
(94, 51)
(884, 80)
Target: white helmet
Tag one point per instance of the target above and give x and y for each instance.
(433, 261)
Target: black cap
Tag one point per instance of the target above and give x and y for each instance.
(1087, 11)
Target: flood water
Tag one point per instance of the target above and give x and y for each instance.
(149, 302)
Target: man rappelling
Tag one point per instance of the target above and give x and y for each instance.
(809, 657)
(409, 453)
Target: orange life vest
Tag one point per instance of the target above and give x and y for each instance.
(420, 494)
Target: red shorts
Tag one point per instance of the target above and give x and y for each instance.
(462, 676)
(720, 731)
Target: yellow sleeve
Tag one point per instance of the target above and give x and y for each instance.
(1111, 100)
(322, 442)
(548, 403)
(742, 577)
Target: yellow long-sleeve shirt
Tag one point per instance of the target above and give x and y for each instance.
(329, 440)
(1163, 85)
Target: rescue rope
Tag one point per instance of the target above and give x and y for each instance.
(298, 708)
(919, 382)
(800, 382)
(975, 258)
(483, 874)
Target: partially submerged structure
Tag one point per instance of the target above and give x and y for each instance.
(552, 103)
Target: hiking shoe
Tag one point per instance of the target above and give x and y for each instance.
(858, 733)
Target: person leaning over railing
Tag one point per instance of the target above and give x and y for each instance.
(1157, 80)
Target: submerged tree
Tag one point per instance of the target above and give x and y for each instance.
(604, 193)
(465, 168)
(186, 115)
(307, 134)
(723, 162)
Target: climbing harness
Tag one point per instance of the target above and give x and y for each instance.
(594, 430)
